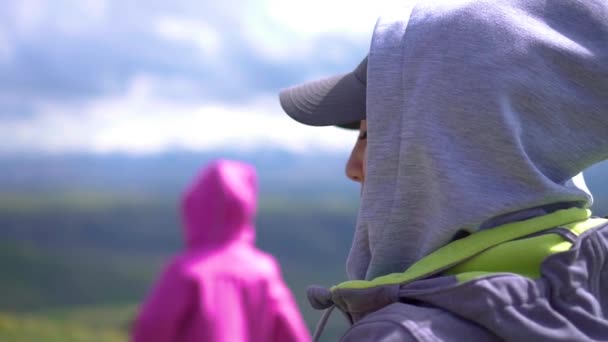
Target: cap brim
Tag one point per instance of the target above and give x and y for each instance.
(333, 101)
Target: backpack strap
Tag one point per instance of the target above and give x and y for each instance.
(474, 244)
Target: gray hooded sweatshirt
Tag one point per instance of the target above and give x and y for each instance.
(479, 113)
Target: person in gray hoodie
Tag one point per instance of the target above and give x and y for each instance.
(476, 120)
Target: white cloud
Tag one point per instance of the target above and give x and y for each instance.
(72, 17)
(77, 17)
(221, 51)
(6, 48)
(201, 34)
(317, 17)
(139, 123)
(288, 29)
(28, 14)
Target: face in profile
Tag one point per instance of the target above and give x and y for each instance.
(356, 164)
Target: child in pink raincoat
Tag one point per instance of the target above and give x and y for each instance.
(221, 288)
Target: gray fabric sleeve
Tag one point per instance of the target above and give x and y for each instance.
(400, 322)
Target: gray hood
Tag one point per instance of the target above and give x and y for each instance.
(479, 113)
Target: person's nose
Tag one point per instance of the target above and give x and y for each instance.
(354, 165)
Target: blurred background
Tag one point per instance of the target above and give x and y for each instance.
(107, 109)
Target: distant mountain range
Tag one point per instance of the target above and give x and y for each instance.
(279, 172)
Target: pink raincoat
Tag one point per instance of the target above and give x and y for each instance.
(222, 288)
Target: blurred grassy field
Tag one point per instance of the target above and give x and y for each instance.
(69, 260)
(90, 324)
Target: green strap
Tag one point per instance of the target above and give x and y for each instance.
(520, 256)
(462, 249)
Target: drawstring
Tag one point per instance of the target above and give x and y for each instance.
(323, 322)
(321, 299)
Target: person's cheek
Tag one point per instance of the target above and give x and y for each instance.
(364, 167)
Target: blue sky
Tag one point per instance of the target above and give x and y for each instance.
(149, 76)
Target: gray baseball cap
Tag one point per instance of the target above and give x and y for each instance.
(334, 101)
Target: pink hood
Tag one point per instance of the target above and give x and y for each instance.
(219, 207)
(222, 288)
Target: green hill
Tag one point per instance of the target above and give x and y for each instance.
(92, 325)
(65, 255)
